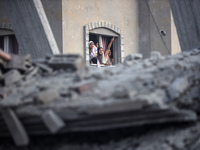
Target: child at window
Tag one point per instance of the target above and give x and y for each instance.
(92, 50)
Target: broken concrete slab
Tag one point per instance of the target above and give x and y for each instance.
(32, 73)
(118, 106)
(45, 68)
(121, 92)
(11, 77)
(12, 100)
(178, 87)
(52, 121)
(15, 127)
(69, 61)
(155, 57)
(87, 103)
(132, 59)
(21, 63)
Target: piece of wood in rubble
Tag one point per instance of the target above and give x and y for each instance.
(15, 127)
(52, 121)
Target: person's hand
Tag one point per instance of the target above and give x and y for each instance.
(112, 40)
(106, 64)
(5, 56)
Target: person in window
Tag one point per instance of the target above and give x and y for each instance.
(97, 45)
(110, 60)
(93, 60)
(100, 56)
(108, 51)
(92, 50)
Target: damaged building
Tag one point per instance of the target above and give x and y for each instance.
(139, 26)
(149, 101)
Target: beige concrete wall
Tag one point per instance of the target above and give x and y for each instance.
(67, 18)
(175, 46)
(160, 21)
(154, 17)
(77, 13)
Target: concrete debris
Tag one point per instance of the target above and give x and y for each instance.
(155, 57)
(22, 63)
(11, 77)
(47, 96)
(121, 92)
(132, 59)
(178, 87)
(52, 121)
(59, 95)
(84, 73)
(45, 68)
(85, 86)
(15, 127)
(32, 72)
(12, 100)
(73, 62)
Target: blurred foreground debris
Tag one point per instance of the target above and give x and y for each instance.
(58, 94)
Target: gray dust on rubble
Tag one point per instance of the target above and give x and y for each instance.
(61, 82)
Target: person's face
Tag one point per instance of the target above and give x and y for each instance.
(101, 51)
(91, 45)
(97, 45)
(109, 53)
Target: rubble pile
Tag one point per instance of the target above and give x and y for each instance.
(58, 94)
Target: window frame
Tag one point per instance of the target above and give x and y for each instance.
(108, 26)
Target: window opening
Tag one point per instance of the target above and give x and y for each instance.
(8, 44)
